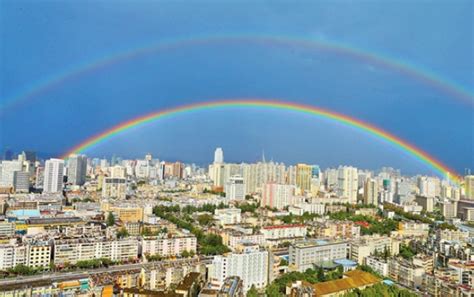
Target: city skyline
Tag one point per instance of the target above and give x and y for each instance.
(419, 91)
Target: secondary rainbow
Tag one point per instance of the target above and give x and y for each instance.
(416, 72)
(379, 133)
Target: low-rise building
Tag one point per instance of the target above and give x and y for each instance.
(368, 245)
(74, 250)
(228, 216)
(379, 265)
(307, 254)
(406, 273)
(276, 234)
(169, 245)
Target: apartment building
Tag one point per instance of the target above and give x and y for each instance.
(379, 265)
(406, 273)
(367, 245)
(272, 233)
(306, 254)
(74, 250)
(339, 229)
(169, 246)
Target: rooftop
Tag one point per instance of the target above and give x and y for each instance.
(354, 279)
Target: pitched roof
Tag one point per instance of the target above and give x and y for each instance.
(354, 279)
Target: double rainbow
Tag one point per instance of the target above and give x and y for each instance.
(370, 129)
(36, 89)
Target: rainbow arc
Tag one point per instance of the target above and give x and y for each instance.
(420, 155)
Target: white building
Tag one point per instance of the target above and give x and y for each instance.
(277, 195)
(218, 156)
(7, 171)
(53, 176)
(313, 208)
(347, 183)
(304, 255)
(235, 188)
(251, 266)
(228, 216)
(284, 232)
(378, 265)
(164, 246)
(74, 250)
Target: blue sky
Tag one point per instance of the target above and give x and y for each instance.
(45, 37)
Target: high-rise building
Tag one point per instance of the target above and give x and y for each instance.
(21, 181)
(347, 183)
(77, 169)
(235, 188)
(218, 156)
(277, 195)
(216, 174)
(8, 169)
(53, 176)
(371, 191)
(469, 187)
(304, 173)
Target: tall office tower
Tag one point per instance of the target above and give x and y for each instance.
(218, 156)
(77, 169)
(8, 169)
(251, 266)
(371, 191)
(277, 195)
(347, 181)
(53, 176)
(469, 187)
(303, 176)
(235, 188)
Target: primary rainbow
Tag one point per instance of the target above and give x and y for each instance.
(416, 72)
(403, 145)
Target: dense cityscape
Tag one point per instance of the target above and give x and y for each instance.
(100, 227)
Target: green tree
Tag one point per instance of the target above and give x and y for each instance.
(110, 219)
(122, 233)
(205, 219)
(252, 292)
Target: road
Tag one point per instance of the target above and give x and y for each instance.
(78, 274)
